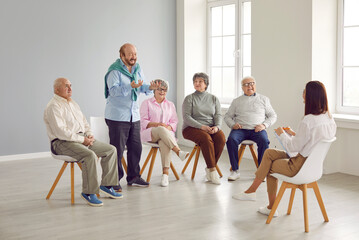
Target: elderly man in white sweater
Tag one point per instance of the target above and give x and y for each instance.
(248, 117)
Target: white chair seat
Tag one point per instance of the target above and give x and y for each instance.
(247, 142)
(64, 158)
(151, 144)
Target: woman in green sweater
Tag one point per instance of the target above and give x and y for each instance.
(201, 124)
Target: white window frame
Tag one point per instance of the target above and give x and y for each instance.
(238, 43)
(339, 100)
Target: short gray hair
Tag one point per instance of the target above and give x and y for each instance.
(58, 82)
(246, 78)
(162, 83)
(203, 76)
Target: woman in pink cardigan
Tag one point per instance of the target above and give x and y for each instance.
(158, 124)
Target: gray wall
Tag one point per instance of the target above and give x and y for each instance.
(45, 39)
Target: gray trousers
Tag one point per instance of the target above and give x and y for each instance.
(88, 156)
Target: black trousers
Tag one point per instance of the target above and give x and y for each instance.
(126, 134)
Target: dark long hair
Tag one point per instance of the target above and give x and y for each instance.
(316, 101)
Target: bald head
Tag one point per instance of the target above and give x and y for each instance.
(128, 54)
(62, 87)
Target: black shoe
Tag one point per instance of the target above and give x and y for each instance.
(117, 188)
(138, 181)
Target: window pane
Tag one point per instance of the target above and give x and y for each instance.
(229, 19)
(246, 49)
(216, 21)
(351, 16)
(228, 51)
(217, 51)
(229, 82)
(351, 46)
(351, 87)
(247, 71)
(247, 17)
(216, 82)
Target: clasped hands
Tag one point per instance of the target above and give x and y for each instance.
(89, 140)
(210, 130)
(153, 85)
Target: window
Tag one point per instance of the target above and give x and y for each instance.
(348, 60)
(229, 47)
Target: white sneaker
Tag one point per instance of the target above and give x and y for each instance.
(234, 175)
(214, 178)
(164, 180)
(245, 196)
(183, 155)
(266, 211)
(207, 174)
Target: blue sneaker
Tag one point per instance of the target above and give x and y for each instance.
(91, 200)
(109, 192)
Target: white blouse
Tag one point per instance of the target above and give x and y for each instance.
(311, 130)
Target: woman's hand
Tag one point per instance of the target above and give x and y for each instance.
(289, 131)
(206, 128)
(213, 130)
(279, 131)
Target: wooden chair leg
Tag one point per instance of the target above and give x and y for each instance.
(147, 159)
(320, 201)
(254, 155)
(276, 202)
(305, 207)
(240, 154)
(219, 171)
(80, 165)
(72, 183)
(124, 164)
(189, 160)
(57, 180)
(291, 201)
(174, 171)
(154, 153)
(195, 162)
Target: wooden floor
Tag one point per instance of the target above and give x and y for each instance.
(184, 210)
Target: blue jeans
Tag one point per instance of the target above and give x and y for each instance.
(237, 136)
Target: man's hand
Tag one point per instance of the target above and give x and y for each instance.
(88, 141)
(139, 84)
(259, 128)
(237, 126)
(154, 85)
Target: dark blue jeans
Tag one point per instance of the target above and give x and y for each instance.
(126, 134)
(239, 135)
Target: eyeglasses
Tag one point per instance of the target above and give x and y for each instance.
(162, 89)
(248, 84)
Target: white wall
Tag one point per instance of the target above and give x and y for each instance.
(191, 50)
(45, 39)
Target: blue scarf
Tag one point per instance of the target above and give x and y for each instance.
(118, 65)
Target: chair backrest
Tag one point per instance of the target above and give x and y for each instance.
(99, 129)
(312, 169)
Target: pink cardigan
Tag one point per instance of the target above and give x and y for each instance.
(150, 111)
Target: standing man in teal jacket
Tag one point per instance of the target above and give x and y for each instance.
(124, 81)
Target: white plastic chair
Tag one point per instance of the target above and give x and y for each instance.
(66, 160)
(307, 177)
(100, 131)
(153, 153)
